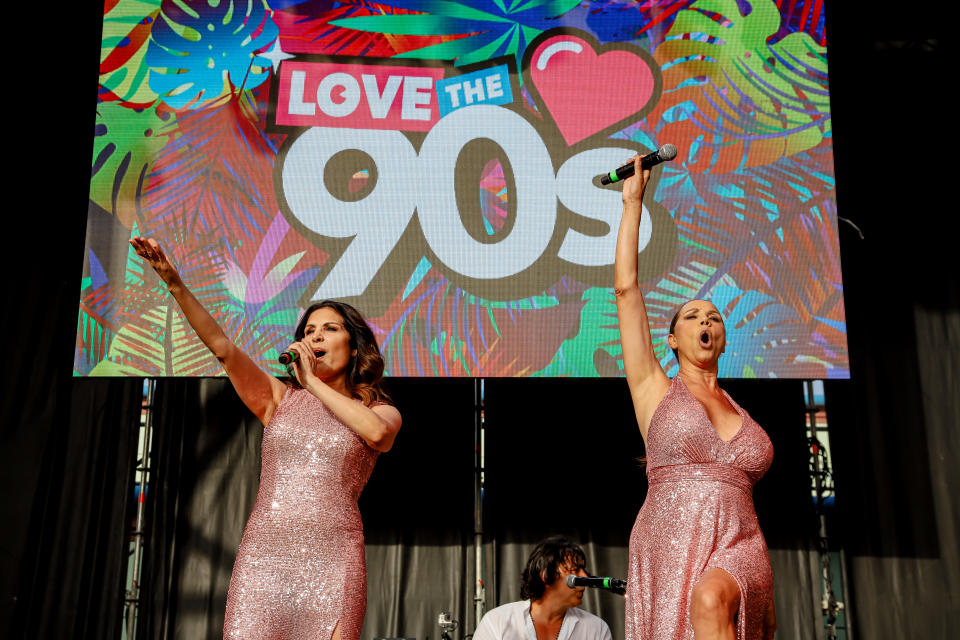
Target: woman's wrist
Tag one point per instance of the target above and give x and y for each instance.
(175, 286)
(313, 384)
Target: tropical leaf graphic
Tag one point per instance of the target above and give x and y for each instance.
(749, 315)
(126, 31)
(124, 144)
(202, 50)
(493, 197)
(624, 20)
(162, 343)
(218, 164)
(731, 99)
(491, 29)
(595, 349)
(95, 326)
(769, 230)
(786, 255)
(266, 293)
(756, 320)
(443, 331)
(159, 343)
(305, 29)
(152, 337)
(757, 323)
(809, 16)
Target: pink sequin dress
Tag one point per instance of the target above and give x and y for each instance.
(300, 569)
(698, 515)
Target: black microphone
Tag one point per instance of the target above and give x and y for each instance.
(613, 584)
(288, 357)
(666, 152)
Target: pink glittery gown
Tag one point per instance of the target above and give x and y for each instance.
(300, 569)
(698, 515)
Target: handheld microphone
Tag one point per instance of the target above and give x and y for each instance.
(613, 584)
(666, 152)
(288, 357)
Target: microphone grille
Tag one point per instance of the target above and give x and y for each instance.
(668, 152)
(571, 581)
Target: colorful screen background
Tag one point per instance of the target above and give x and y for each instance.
(189, 150)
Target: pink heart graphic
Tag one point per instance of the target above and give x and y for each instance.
(587, 93)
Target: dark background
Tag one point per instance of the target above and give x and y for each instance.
(66, 457)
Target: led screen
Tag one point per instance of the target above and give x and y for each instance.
(436, 164)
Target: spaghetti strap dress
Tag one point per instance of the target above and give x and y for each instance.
(300, 570)
(698, 515)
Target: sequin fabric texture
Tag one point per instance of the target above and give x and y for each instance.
(300, 569)
(698, 515)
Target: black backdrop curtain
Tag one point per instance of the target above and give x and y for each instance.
(895, 428)
(418, 513)
(896, 423)
(72, 579)
(205, 467)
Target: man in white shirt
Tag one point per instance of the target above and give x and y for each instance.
(549, 609)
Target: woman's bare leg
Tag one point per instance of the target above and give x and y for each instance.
(713, 609)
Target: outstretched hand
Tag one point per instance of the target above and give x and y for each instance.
(151, 251)
(634, 186)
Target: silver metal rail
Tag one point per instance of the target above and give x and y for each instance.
(132, 600)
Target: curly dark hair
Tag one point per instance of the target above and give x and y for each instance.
(543, 566)
(365, 371)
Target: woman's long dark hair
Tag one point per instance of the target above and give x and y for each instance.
(365, 371)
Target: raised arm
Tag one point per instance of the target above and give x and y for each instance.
(645, 377)
(258, 390)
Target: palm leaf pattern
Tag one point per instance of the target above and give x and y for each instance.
(218, 163)
(489, 29)
(625, 21)
(96, 324)
(266, 297)
(444, 331)
(126, 30)
(153, 338)
(124, 145)
(731, 98)
(306, 29)
(201, 50)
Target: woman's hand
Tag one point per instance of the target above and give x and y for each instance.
(260, 391)
(634, 186)
(150, 250)
(305, 365)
